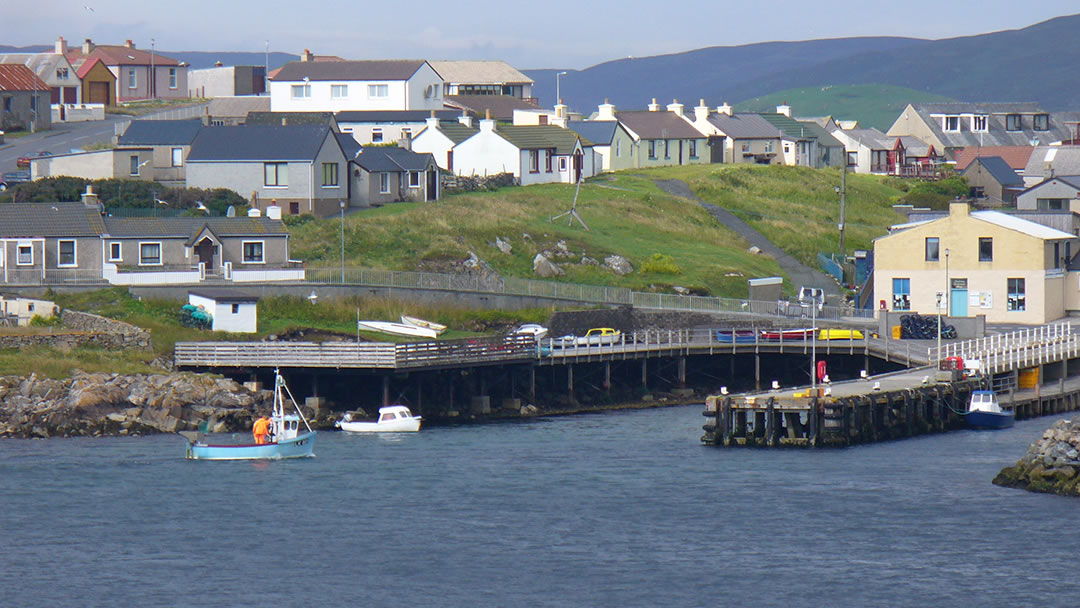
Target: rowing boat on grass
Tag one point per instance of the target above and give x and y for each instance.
(397, 329)
(436, 327)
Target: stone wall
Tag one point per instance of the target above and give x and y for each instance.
(67, 340)
(122, 335)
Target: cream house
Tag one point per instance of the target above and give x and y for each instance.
(1007, 268)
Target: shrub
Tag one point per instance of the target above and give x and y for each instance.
(297, 220)
(40, 321)
(661, 264)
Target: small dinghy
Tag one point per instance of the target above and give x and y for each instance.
(397, 329)
(415, 322)
(285, 438)
(984, 412)
(392, 419)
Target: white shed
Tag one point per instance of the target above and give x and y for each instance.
(230, 310)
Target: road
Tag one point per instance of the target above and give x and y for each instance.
(62, 138)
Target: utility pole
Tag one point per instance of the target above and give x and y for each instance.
(843, 201)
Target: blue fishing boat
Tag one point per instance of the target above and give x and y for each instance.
(984, 412)
(285, 441)
(736, 336)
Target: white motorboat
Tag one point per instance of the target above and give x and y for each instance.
(397, 329)
(438, 328)
(532, 329)
(392, 419)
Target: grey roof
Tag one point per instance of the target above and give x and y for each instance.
(393, 116)
(871, 138)
(995, 134)
(480, 72)
(382, 159)
(290, 119)
(187, 227)
(224, 294)
(824, 138)
(238, 107)
(960, 107)
(913, 146)
(998, 169)
(541, 137)
(258, 143)
(46, 220)
(349, 145)
(658, 125)
(1063, 160)
(744, 126)
(383, 69)
(1071, 180)
(160, 132)
(600, 132)
(501, 106)
(456, 132)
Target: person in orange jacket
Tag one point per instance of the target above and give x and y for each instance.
(260, 429)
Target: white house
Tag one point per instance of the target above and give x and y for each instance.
(378, 127)
(534, 154)
(867, 149)
(335, 86)
(438, 138)
(229, 310)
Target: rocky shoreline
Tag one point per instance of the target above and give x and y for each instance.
(1051, 464)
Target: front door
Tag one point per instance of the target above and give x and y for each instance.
(205, 252)
(432, 185)
(958, 298)
(579, 161)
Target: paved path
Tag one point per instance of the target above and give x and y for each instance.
(798, 273)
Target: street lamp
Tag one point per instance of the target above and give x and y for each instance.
(558, 93)
(152, 88)
(943, 304)
(342, 203)
(842, 191)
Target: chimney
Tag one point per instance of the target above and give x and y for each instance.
(701, 112)
(61, 46)
(724, 109)
(284, 121)
(560, 119)
(307, 56)
(487, 124)
(675, 107)
(1048, 171)
(405, 142)
(432, 121)
(129, 44)
(87, 46)
(89, 198)
(784, 109)
(654, 107)
(959, 208)
(465, 118)
(218, 64)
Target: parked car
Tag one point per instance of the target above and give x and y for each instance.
(23, 162)
(599, 335)
(8, 180)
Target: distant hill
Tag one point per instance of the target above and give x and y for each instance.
(196, 59)
(34, 48)
(1036, 63)
(873, 105)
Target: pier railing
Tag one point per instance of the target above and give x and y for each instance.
(1015, 350)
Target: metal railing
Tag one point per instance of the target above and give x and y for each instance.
(1015, 350)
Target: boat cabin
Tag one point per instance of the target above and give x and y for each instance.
(286, 427)
(394, 412)
(984, 401)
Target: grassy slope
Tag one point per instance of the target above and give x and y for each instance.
(873, 105)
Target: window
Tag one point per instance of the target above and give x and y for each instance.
(276, 175)
(1052, 204)
(235, 308)
(547, 160)
(852, 159)
(65, 253)
(693, 148)
(978, 124)
(384, 183)
(294, 208)
(114, 252)
(406, 133)
(24, 255)
(177, 157)
(134, 165)
(378, 90)
(172, 78)
(376, 135)
(950, 123)
(768, 147)
(414, 179)
(434, 90)
(1013, 122)
(652, 148)
(62, 73)
(667, 148)
(986, 249)
(534, 161)
(301, 91)
(746, 148)
(253, 252)
(1042, 122)
(1017, 300)
(562, 164)
(329, 175)
(339, 91)
(901, 294)
(1057, 256)
(932, 249)
(149, 254)
(618, 147)
(131, 78)
(7, 103)
(787, 148)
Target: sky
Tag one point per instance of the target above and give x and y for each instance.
(527, 35)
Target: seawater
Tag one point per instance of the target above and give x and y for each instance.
(613, 509)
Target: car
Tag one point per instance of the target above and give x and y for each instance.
(9, 180)
(599, 335)
(23, 162)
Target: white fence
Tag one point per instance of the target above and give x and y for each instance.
(1015, 350)
(77, 112)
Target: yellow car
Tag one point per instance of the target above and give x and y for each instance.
(599, 335)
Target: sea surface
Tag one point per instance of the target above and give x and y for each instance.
(614, 509)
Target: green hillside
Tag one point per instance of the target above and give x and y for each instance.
(670, 241)
(873, 105)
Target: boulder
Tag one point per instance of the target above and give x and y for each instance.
(1050, 464)
(620, 265)
(587, 261)
(543, 267)
(503, 246)
(682, 291)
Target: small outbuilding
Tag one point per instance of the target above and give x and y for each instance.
(229, 310)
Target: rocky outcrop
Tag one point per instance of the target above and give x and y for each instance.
(543, 267)
(112, 404)
(125, 335)
(1051, 464)
(620, 265)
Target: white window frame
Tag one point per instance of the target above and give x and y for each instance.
(979, 123)
(172, 78)
(377, 135)
(134, 165)
(18, 253)
(300, 91)
(133, 81)
(161, 254)
(414, 179)
(384, 183)
(119, 257)
(339, 91)
(177, 157)
(74, 253)
(406, 133)
(277, 185)
(562, 164)
(262, 252)
(336, 171)
(3, 247)
(945, 124)
(378, 91)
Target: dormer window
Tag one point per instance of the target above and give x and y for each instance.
(1013, 122)
(62, 73)
(1042, 122)
(978, 124)
(951, 124)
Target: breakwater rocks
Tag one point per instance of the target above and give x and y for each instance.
(113, 404)
(1051, 464)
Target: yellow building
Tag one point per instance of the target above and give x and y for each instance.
(1009, 269)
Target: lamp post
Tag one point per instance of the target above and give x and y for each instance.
(342, 203)
(558, 92)
(943, 304)
(842, 191)
(152, 87)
